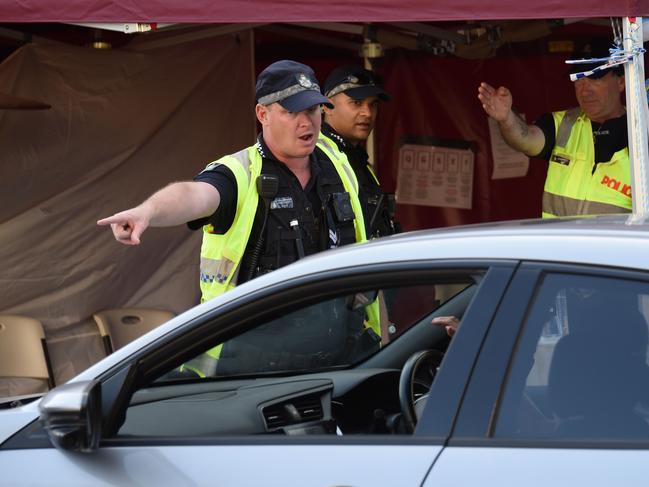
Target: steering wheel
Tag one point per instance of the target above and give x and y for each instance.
(412, 407)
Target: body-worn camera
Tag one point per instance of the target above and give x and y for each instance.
(342, 206)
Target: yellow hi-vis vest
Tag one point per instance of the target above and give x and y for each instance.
(326, 140)
(575, 185)
(222, 254)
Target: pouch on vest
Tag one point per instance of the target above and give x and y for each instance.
(342, 207)
(382, 220)
(340, 219)
(361, 346)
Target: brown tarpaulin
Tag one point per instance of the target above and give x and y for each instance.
(121, 126)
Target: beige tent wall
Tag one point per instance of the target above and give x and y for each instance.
(123, 123)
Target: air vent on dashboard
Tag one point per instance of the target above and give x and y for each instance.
(274, 416)
(298, 410)
(310, 408)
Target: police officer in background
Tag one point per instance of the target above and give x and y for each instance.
(355, 93)
(288, 196)
(587, 147)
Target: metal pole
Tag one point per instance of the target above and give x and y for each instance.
(370, 50)
(369, 144)
(636, 105)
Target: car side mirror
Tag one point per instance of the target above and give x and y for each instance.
(71, 415)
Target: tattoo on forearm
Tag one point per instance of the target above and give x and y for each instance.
(517, 133)
(522, 126)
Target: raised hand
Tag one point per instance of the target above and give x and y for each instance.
(496, 102)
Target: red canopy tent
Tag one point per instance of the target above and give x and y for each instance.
(432, 96)
(246, 11)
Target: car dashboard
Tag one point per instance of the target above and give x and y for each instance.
(336, 402)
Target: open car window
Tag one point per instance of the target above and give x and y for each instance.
(300, 369)
(336, 332)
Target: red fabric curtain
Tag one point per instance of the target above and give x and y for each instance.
(437, 97)
(204, 11)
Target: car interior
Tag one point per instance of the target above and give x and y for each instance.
(580, 371)
(318, 369)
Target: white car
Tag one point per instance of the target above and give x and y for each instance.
(280, 382)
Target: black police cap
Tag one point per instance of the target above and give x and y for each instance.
(291, 84)
(356, 82)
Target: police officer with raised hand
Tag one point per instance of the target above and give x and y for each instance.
(266, 205)
(355, 93)
(587, 146)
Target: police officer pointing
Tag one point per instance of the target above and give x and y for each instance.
(285, 197)
(288, 196)
(355, 93)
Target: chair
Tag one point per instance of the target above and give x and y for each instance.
(24, 359)
(120, 326)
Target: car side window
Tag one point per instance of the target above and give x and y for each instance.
(339, 331)
(580, 370)
(290, 357)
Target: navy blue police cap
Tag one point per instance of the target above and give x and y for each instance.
(356, 82)
(291, 84)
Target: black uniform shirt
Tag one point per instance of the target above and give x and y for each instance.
(369, 191)
(222, 178)
(610, 137)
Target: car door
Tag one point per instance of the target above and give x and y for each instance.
(164, 452)
(560, 392)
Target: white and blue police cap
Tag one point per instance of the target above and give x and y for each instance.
(593, 53)
(291, 84)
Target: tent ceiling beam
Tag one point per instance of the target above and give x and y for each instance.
(312, 37)
(356, 29)
(430, 30)
(178, 37)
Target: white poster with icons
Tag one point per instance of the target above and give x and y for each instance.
(435, 176)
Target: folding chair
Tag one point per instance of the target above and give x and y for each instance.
(24, 359)
(120, 326)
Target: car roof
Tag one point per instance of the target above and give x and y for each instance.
(620, 241)
(611, 240)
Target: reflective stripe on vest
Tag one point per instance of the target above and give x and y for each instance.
(221, 254)
(331, 143)
(571, 186)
